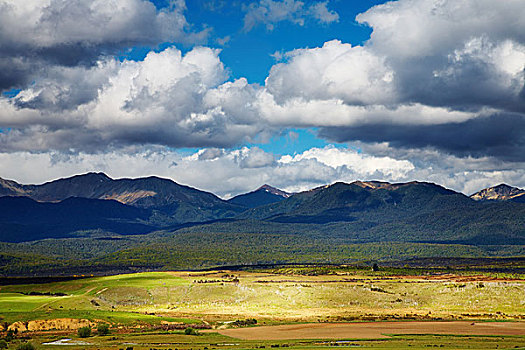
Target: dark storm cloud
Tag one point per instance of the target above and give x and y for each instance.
(465, 84)
(499, 135)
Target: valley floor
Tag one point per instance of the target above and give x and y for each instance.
(290, 305)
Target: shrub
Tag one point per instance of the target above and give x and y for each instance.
(84, 332)
(9, 336)
(3, 344)
(25, 346)
(103, 329)
(190, 331)
(246, 322)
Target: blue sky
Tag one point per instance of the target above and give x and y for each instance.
(248, 54)
(227, 95)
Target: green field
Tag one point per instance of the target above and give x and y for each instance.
(285, 294)
(136, 303)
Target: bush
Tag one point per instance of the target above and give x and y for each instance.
(84, 332)
(190, 331)
(103, 329)
(3, 344)
(9, 336)
(246, 322)
(25, 346)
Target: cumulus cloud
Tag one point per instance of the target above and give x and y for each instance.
(437, 93)
(462, 54)
(210, 153)
(271, 12)
(167, 99)
(35, 34)
(349, 73)
(333, 113)
(255, 157)
(364, 165)
(442, 74)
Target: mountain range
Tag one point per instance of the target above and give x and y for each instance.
(158, 222)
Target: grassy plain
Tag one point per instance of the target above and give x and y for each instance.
(137, 305)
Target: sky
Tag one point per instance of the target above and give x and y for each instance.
(226, 96)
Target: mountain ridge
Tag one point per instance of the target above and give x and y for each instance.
(14, 188)
(176, 203)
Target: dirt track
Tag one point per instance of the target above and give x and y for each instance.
(373, 330)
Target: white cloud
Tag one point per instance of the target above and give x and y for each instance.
(333, 113)
(255, 158)
(209, 153)
(166, 99)
(271, 12)
(36, 35)
(445, 76)
(456, 54)
(419, 28)
(321, 12)
(352, 74)
(364, 165)
(48, 23)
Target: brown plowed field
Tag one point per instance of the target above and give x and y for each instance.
(373, 330)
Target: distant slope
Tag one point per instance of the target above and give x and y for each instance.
(341, 200)
(501, 192)
(354, 213)
(338, 223)
(263, 195)
(175, 203)
(11, 188)
(23, 219)
(409, 212)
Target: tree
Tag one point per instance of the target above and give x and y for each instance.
(190, 331)
(84, 332)
(103, 329)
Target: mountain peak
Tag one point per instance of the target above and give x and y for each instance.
(501, 192)
(273, 190)
(265, 194)
(94, 175)
(87, 177)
